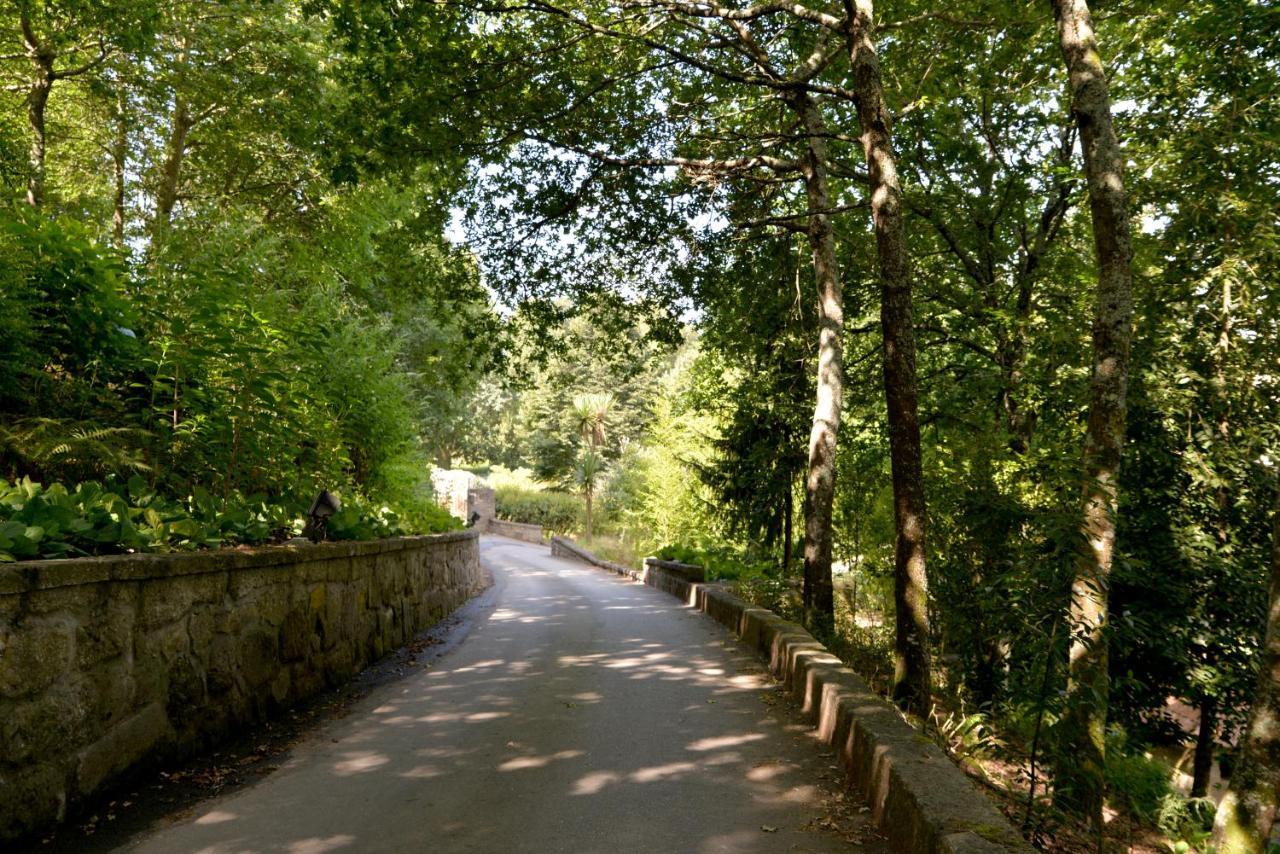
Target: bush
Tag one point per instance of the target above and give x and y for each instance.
(556, 512)
(1187, 820)
(94, 518)
(719, 563)
(1138, 783)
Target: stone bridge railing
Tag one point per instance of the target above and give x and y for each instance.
(112, 662)
(919, 799)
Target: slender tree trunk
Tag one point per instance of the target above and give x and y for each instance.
(119, 156)
(1206, 736)
(42, 59)
(787, 534)
(1206, 740)
(819, 594)
(587, 495)
(1248, 811)
(1079, 782)
(171, 169)
(37, 101)
(912, 668)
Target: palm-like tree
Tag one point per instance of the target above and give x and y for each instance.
(591, 411)
(590, 468)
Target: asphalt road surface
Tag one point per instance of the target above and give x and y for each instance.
(582, 713)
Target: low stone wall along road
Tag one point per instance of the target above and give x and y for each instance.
(583, 713)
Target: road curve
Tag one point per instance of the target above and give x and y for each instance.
(584, 713)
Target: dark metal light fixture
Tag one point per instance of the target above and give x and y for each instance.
(325, 505)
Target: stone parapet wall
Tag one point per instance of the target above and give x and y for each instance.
(111, 662)
(921, 801)
(565, 547)
(515, 530)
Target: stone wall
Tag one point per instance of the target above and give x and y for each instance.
(919, 799)
(565, 547)
(482, 506)
(107, 663)
(515, 530)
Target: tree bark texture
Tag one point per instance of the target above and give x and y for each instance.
(1247, 813)
(912, 677)
(171, 169)
(819, 594)
(37, 102)
(1079, 780)
(1206, 741)
(119, 158)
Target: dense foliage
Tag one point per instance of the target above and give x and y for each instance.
(674, 314)
(193, 301)
(94, 518)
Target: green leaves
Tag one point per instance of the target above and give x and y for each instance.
(93, 518)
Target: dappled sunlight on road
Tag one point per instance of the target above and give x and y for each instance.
(580, 705)
(521, 763)
(359, 762)
(725, 741)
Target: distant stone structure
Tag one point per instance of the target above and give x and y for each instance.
(481, 506)
(452, 488)
(464, 495)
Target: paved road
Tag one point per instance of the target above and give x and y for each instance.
(583, 713)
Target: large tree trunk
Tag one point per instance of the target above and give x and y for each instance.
(912, 678)
(1079, 780)
(171, 169)
(819, 594)
(1248, 811)
(37, 101)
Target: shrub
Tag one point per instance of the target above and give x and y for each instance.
(1138, 783)
(719, 563)
(556, 512)
(1189, 821)
(108, 518)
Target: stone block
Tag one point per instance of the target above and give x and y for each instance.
(295, 635)
(46, 726)
(340, 662)
(32, 797)
(201, 627)
(259, 656)
(121, 747)
(307, 681)
(165, 601)
(223, 667)
(155, 656)
(243, 581)
(10, 607)
(918, 797)
(109, 690)
(80, 601)
(267, 604)
(34, 654)
(107, 631)
(280, 687)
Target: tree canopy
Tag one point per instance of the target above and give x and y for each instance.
(950, 332)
